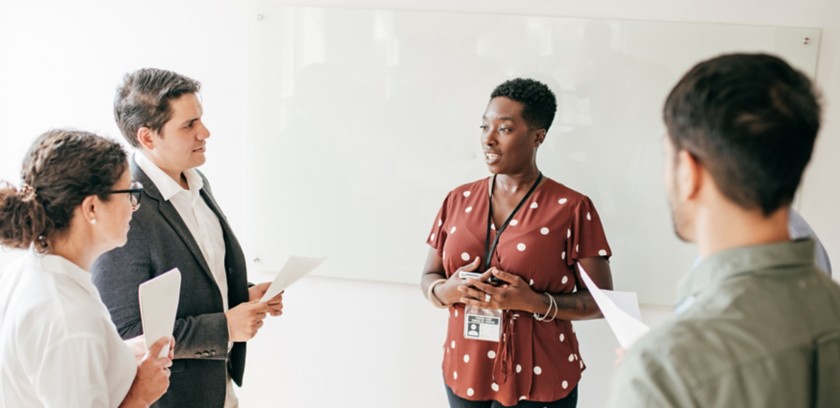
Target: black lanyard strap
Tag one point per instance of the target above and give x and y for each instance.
(488, 248)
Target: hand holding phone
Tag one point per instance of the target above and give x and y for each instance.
(475, 275)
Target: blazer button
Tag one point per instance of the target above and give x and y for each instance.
(198, 354)
(212, 352)
(206, 354)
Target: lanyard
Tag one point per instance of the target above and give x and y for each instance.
(488, 248)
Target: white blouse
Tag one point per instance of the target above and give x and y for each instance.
(58, 347)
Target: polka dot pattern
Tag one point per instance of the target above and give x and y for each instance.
(533, 238)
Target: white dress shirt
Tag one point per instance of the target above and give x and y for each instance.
(200, 219)
(203, 225)
(58, 347)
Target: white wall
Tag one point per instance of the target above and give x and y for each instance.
(340, 342)
(820, 193)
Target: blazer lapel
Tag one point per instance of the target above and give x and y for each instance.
(168, 211)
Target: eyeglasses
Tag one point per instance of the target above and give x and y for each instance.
(135, 192)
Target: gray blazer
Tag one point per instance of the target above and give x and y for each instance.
(157, 242)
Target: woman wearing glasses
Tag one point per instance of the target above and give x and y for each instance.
(510, 341)
(58, 347)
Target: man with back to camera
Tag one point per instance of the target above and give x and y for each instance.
(758, 324)
(160, 114)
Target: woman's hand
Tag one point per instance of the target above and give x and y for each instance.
(512, 294)
(449, 292)
(152, 378)
(137, 345)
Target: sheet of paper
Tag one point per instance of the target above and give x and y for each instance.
(295, 268)
(621, 311)
(159, 306)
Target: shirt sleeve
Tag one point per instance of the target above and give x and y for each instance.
(587, 239)
(437, 236)
(72, 374)
(647, 380)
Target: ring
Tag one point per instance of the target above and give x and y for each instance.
(487, 297)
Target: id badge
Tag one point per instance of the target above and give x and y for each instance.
(482, 324)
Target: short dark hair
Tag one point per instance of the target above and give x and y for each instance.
(751, 120)
(538, 102)
(143, 100)
(61, 169)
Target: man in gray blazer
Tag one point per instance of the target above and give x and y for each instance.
(180, 225)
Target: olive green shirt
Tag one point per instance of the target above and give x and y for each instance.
(758, 326)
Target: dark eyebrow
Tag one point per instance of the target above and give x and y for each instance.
(503, 118)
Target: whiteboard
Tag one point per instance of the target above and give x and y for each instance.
(361, 121)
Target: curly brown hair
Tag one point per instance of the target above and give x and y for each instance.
(61, 169)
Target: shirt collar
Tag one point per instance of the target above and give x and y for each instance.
(166, 185)
(750, 260)
(62, 266)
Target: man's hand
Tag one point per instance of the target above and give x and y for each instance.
(245, 319)
(275, 304)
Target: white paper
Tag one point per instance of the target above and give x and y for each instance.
(620, 309)
(295, 268)
(159, 306)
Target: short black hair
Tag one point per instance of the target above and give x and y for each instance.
(538, 102)
(751, 120)
(143, 100)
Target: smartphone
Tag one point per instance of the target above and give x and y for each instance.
(475, 275)
(465, 275)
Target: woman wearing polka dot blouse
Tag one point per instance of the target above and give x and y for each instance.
(527, 232)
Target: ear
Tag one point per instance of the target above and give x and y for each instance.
(89, 209)
(146, 138)
(689, 175)
(539, 137)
